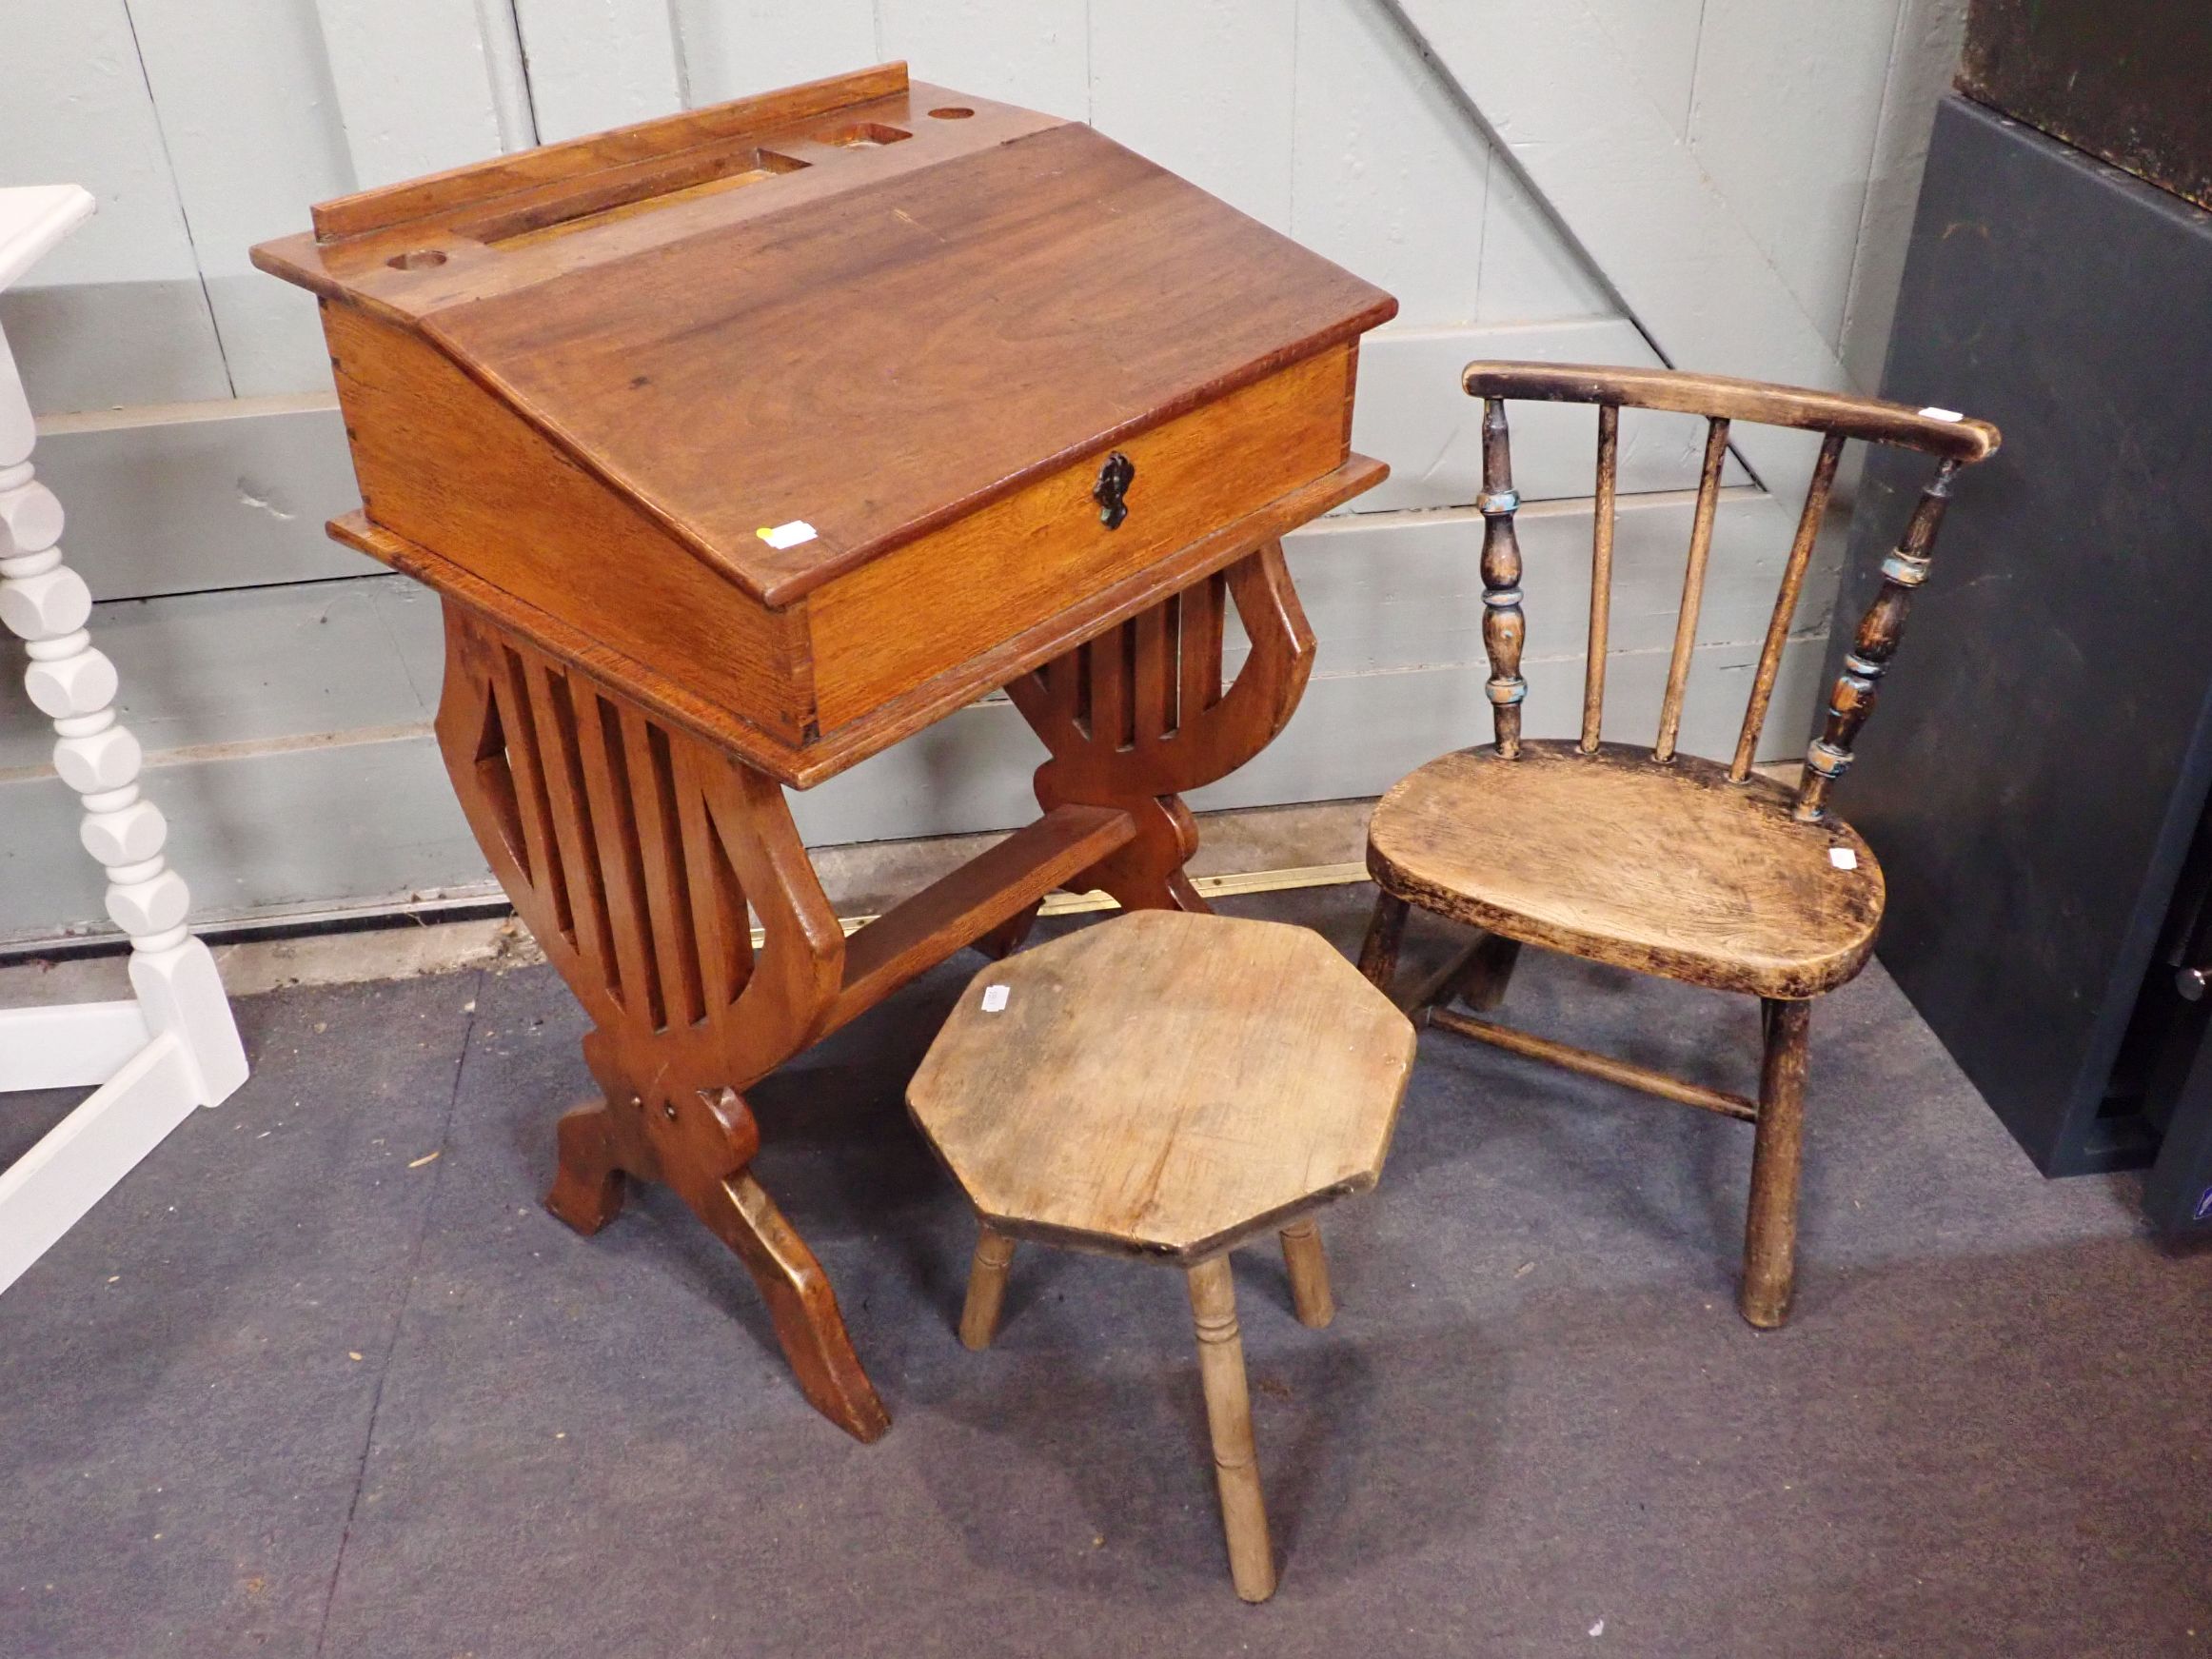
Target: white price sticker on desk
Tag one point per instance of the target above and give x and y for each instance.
(795, 534)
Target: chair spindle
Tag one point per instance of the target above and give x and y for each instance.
(1872, 647)
(1709, 490)
(1816, 502)
(1502, 626)
(1601, 574)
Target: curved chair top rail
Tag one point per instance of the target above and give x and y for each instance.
(1943, 433)
(1953, 439)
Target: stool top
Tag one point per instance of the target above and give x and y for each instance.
(1164, 1083)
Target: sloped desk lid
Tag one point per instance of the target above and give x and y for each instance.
(878, 357)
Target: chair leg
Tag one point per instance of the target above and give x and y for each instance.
(1771, 1226)
(1482, 983)
(1251, 1563)
(986, 1286)
(1379, 955)
(1309, 1271)
(1009, 936)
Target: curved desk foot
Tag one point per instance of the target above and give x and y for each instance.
(808, 1321)
(588, 1184)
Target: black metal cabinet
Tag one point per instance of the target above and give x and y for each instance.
(2039, 781)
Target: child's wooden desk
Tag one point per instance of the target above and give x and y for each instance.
(742, 444)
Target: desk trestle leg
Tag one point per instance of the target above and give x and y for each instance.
(640, 857)
(634, 851)
(1137, 716)
(704, 1156)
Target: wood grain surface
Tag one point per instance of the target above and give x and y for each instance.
(905, 329)
(664, 681)
(1723, 396)
(945, 337)
(1206, 468)
(1251, 1564)
(444, 467)
(1643, 858)
(1777, 1155)
(1138, 715)
(1164, 1085)
(486, 180)
(581, 387)
(1670, 869)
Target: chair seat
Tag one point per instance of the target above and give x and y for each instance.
(1666, 868)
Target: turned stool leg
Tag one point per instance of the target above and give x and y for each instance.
(1229, 1416)
(986, 1286)
(1309, 1271)
(1771, 1226)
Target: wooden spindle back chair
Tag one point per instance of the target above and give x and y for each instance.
(1646, 857)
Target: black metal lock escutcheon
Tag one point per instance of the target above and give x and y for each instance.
(1112, 489)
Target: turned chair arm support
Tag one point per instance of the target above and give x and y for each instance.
(1872, 646)
(1954, 439)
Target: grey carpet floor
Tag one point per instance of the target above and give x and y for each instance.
(293, 1390)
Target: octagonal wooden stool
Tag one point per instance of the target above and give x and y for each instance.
(1167, 1086)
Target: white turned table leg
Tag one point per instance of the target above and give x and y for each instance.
(191, 1056)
